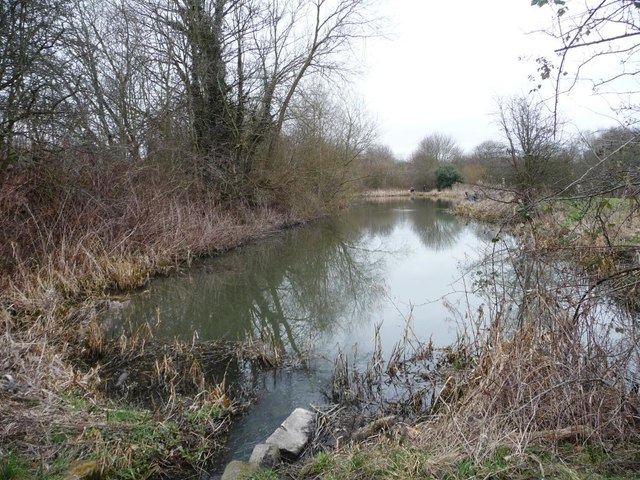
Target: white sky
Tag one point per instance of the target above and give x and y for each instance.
(446, 62)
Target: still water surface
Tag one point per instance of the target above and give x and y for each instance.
(322, 287)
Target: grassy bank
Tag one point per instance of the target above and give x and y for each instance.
(74, 403)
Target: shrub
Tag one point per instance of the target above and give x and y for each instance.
(447, 175)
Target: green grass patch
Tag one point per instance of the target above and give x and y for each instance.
(13, 468)
(124, 443)
(129, 415)
(564, 462)
(205, 413)
(59, 435)
(265, 475)
(322, 462)
(77, 402)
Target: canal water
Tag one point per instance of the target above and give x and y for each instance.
(321, 289)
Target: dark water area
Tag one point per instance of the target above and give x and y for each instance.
(318, 290)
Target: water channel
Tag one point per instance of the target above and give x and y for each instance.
(322, 288)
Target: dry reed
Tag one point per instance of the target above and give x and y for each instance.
(71, 236)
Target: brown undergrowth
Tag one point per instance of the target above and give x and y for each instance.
(491, 206)
(537, 386)
(558, 356)
(548, 399)
(456, 193)
(90, 231)
(69, 237)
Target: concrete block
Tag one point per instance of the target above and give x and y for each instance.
(294, 433)
(237, 470)
(265, 455)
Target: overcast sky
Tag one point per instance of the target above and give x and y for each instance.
(446, 62)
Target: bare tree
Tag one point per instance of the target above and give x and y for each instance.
(243, 62)
(588, 33)
(116, 79)
(433, 150)
(380, 168)
(295, 53)
(438, 147)
(530, 136)
(610, 164)
(327, 135)
(31, 35)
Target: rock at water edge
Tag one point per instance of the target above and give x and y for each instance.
(294, 433)
(265, 455)
(237, 470)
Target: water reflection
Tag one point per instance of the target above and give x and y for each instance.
(553, 293)
(310, 279)
(327, 285)
(439, 232)
(305, 283)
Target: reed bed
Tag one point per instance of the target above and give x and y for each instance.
(69, 238)
(534, 387)
(63, 241)
(453, 194)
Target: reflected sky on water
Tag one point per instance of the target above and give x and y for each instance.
(329, 282)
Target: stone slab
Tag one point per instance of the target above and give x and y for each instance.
(265, 455)
(237, 470)
(294, 433)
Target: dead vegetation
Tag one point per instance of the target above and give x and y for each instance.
(88, 231)
(68, 239)
(537, 386)
(123, 406)
(453, 194)
(487, 210)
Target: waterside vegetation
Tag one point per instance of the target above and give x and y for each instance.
(134, 138)
(542, 382)
(206, 129)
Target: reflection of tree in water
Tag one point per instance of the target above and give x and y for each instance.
(324, 285)
(287, 289)
(436, 228)
(375, 219)
(302, 283)
(522, 287)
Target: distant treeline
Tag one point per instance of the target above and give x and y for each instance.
(530, 160)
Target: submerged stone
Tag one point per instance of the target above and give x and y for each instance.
(265, 455)
(294, 433)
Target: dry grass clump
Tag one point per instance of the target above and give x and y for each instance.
(98, 230)
(386, 193)
(598, 224)
(122, 405)
(549, 380)
(456, 193)
(491, 206)
(487, 210)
